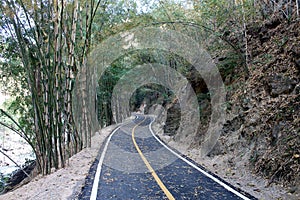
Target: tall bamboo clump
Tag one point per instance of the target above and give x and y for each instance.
(53, 38)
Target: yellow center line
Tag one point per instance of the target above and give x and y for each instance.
(157, 179)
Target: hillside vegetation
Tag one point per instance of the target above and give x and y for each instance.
(262, 123)
(59, 101)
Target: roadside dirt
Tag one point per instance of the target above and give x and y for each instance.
(237, 174)
(67, 183)
(64, 183)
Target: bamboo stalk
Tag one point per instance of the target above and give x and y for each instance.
(49, 76)
(297, 7)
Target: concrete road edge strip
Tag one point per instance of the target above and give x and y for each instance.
(196, 167)
(99, 167)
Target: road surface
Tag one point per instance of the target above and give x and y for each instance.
(134, 164)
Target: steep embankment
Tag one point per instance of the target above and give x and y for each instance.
(268, 103)
(261, 135)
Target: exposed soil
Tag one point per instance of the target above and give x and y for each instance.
(64, 183)
(238, 174)
(259, 146)
(259, 149)
(16, 148)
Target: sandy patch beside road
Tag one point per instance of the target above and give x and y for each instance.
(238, 175)
(16, 148)
(64, 183)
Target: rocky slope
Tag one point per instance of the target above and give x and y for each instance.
(262, 133)
(267, 107)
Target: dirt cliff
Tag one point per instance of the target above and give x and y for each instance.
(262, 132)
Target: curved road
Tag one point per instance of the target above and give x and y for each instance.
(135, 164)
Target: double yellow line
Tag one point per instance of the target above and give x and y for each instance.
(153, 173)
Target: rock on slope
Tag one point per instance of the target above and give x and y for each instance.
(262, 132)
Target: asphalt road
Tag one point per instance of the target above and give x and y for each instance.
(135, 164)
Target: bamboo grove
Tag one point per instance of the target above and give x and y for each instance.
(53, 39)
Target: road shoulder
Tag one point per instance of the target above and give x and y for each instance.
(238, 177)
(64, 183)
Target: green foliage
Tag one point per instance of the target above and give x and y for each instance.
(120, 67)
(19, 107)
(47, 44)
(39, 60)
(12, 73)
(14, 84)
(151, 94)
(228, 65)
